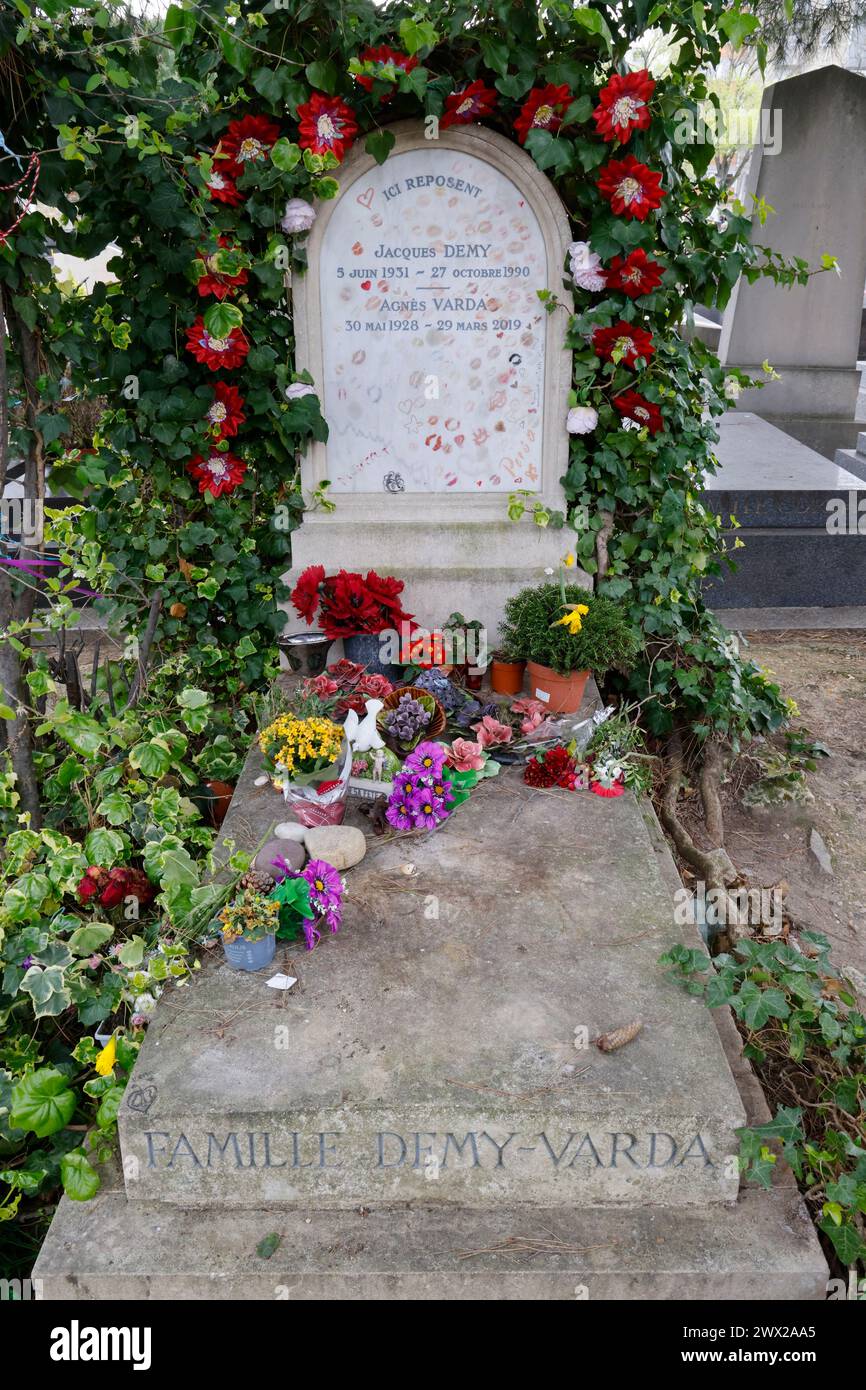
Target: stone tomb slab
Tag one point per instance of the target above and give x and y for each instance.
(428, 1051)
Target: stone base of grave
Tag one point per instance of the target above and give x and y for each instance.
(469, 566)
(762, 1248)
(429, 1089)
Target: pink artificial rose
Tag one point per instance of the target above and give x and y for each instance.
(465, 756)
(322, 686)
(374, 686)
(527, 706)
(491, 731)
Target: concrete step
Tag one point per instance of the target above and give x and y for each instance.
(792, 567)
(854, 460)
(434, 1037)
(762, 1247)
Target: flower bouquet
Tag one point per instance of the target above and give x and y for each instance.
(248, 925)
(354, 607)
(423, 792)
(308, 900)
(409, 715)
(309, 762)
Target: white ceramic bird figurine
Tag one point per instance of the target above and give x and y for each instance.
(367, 735)
(350, 727)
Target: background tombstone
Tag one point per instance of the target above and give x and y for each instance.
(443, 380)
(817, 186)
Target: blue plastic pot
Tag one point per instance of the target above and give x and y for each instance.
(250, 955)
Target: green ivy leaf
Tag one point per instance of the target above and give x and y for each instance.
(86, 941)
(221, 318)
(47, 990)
(104, 847)
(380, 144)
(80, 1180)
(285, 156)
(323, 76)
(42, 1102)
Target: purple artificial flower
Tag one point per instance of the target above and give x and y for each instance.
(27, 962)
(326, 886)
(441, 787)
(427, 758)
(283, 869)
(311, 935)
(427, 810)
(399, 812)
(334, 918)
(405, 785)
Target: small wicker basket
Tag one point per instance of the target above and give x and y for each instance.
(434, 728)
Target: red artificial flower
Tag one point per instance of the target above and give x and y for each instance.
(633, 406)
(125, 882)
(305, 595)
(346, 673)
(214, 281)
(634, 274)
(222, 187)
(624, 105)
(247, 141)
(216, 352)
(226, 415)
(616, 790)
(92, 883)
(626, 340)
(630, 187)
(383, 57)
(218, 473)
(374, 686)
(543, 109)
(554, 768)
(326, 124)
(461, 108)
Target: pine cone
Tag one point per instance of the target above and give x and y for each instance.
(258, 880)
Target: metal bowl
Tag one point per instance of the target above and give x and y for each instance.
(306, 652)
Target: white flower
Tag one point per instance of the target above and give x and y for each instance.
(581, 420)
(732, 388)
(548, 569)
(299, 389)
(585, 266)
(298, 216)
(144, 1004)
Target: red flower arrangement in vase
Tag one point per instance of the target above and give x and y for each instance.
(348, 604)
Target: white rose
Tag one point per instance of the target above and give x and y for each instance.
(144, 1004)
(581, 420)
(299, 389)
(298, 216)
(732, 388)
(585, 266)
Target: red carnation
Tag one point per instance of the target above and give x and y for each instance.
(543, 109)
(222, 187)
(216, 352)
(633, 406)
(634, 274)
(326, 124)
(630, 187)
(247, 141)
(218, 473)
(305, 595)
(623, 105)
(214, 281)
(383, 57)
(226, 415)
(461, 108)
(623, 343)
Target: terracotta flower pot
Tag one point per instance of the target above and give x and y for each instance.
(220, 797)
(506, 677)
(561, 694)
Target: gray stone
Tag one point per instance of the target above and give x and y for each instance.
(293, 853)
(820, 853)
(816, 182)
(340, 845)
(290, 830)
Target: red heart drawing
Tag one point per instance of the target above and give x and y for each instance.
(365, 198)
(366, 284)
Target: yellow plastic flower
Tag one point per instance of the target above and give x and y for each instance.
(108, 1056)
(569, 560)
(573, 618)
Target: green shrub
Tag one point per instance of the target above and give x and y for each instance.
(607, 638)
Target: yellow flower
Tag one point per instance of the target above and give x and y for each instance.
(572, 619)
(108, 1056)
(569, 560)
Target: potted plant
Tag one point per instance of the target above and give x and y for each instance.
(506, 672)
(354, 607)
(566, 633)
(248, 926)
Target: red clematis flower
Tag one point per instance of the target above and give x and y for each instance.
(383, 57)
(631, 188)
(247, 141)
(624, 105)
(625, 340)
(634, 274)
(216, 352)
(326, 123)
(218, 473)
(226, 415)
(214, 281)
(633, 406)
(305, 595)
(222, 187)
(461, 108)
(543, 109)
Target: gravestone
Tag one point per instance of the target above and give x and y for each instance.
(443, 379)
(817, 185)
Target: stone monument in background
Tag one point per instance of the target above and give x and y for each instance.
(817, 185)
(443, 380)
